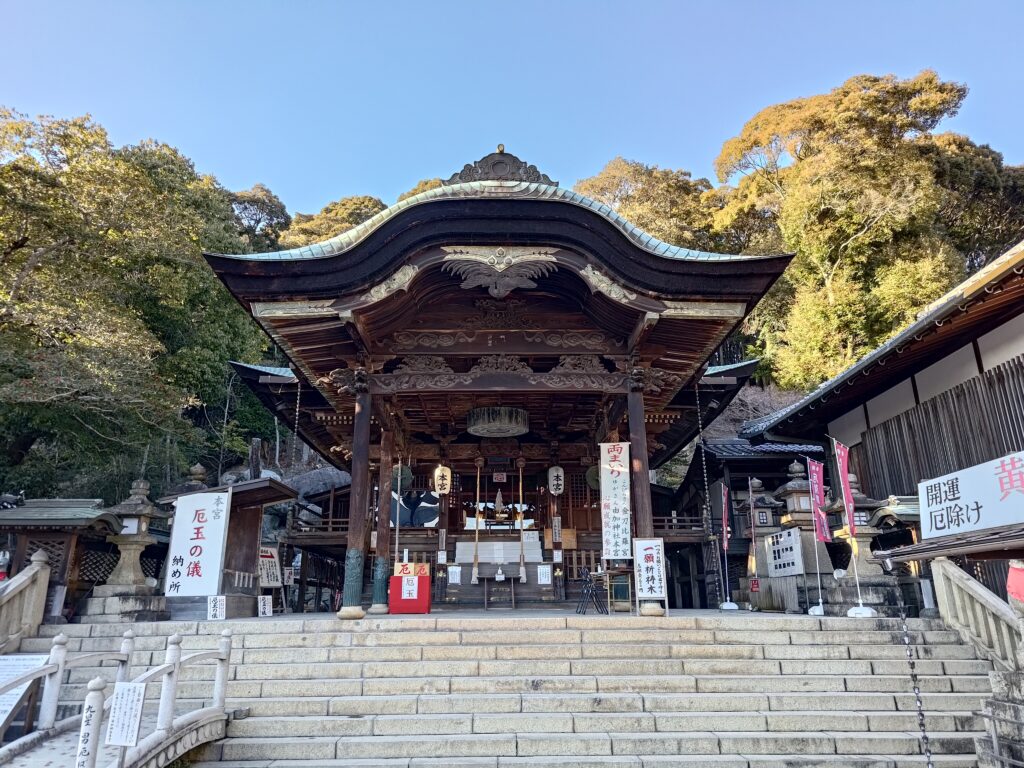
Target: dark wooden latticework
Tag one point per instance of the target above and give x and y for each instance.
(974, 422)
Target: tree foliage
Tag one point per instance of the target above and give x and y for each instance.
(113, 331)
(333, 219)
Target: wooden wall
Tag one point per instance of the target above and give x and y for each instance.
(974, 422)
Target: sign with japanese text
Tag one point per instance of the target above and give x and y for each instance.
(615, 504)
(411, 569)
(543, 574)
(288, 576)
(556, 529)
(410, 587)
(454, 574)
(785, 558)
(649, 569)
(198, 537)
(843, 463)
(12, 666)
(556, 480)
(270, 568)
(216, 608)
(499, 477)
(984, 496)
(816, 479)
(125, 714)
(755, 584)
(266, 605)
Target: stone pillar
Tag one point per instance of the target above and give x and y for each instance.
(640, 475)
(352, 594)
(382, 561)
(796, 495)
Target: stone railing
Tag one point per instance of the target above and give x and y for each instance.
(978, 615)
(170, 738)
(23, 602)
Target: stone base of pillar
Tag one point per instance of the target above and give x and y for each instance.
(652, 609)
(378, 608)
(351, 613)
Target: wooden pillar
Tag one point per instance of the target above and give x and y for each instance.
(556, 544)
(355, 556)
(382, 561)
(640, 476)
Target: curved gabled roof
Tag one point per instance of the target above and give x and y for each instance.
(510, 190)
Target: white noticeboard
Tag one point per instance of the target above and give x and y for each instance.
(615, 503)
(543, 574)
(454, 575)
(270, 568)
(442, 556)
(556, 555)
(288, 576)
(410, 587)
(125, 714)
(216, 608)
(785, 557)
(198, 538)
(984, 496)
(12, 666)
(649, 569)
(266, 605)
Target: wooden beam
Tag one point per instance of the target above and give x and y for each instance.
(643, 328)
(704, 310)
(498, 382)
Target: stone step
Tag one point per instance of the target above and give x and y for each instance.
(599, 743)
(617, 761)
(596, 722)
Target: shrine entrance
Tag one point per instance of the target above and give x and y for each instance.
(495, 330)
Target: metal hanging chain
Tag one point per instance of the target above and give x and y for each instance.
(295, 436)
(706, 511)
(925, 745)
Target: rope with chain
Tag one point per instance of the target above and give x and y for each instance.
(295, 432)
(706, 509)
(909, 647)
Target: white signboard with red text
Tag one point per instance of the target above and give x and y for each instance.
(649, 569)
(615, 506)
(198, 536)
(988, 495)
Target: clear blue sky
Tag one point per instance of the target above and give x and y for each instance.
(319, 100)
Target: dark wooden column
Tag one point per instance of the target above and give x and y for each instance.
(382, 561)
(355, 556)
(640, 476)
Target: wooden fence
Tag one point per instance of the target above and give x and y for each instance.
(974, 422)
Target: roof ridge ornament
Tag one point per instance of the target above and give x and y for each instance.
(499, 166)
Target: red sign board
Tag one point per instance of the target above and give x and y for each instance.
(409, 594)
(755, 585)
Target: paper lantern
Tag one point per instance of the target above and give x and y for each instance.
(556, 481)
(442, 480)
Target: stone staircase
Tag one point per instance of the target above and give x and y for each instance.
(701, 689)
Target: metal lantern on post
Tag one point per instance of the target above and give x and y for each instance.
(442, 480)
(556, 480)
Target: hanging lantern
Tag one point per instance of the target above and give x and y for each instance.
(500, 421)
(556, 480)
(594, 477)
(442, 480)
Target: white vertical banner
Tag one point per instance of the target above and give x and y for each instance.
(615, 503)
(198, 538)
(649, 569)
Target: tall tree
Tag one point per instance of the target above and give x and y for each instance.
(425, 185)
(333, 219)
(262, 217)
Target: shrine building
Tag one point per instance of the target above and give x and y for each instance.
(501, 327)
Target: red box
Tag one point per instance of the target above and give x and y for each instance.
(418, 604)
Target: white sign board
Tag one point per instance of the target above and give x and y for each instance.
(198, 537)
(288, 576)
(649, 569)
(984, 496)
(270, 568)
(216, 608)
(454, 574)
(265, 604)
(125, 714)
(615, 506)
(556, 555)
(410, 587)
(442, 556)
(785, 558)
(543, 574)
(12, 666)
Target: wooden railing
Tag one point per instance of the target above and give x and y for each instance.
(979, 616)
(678, 524)
(171, 736)
(23, 602)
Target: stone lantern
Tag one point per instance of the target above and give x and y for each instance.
(863, 508)
(126, 596)
(763, 520)
(796, 495)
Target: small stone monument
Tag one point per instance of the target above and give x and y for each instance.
(126, 596)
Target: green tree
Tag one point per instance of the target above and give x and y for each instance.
(333, 219)
(261, 217)
(113, 331)
(421, 186)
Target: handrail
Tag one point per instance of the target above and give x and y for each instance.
(978, 615)
(23, 602)
(95, 701)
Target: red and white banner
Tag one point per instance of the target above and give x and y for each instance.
(816, 478)
(198, 539)
(725, 517)
(615, 506)
(843, 460)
